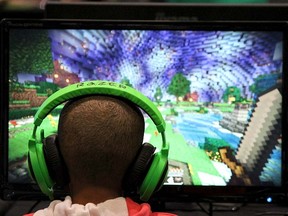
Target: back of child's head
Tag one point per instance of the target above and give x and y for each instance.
(99, 137)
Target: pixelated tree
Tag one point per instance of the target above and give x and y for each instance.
(126, 81)
(212, 145)
(232, 91)
(264, 82)
(173, 111)
(202, 110)
(46, 87)
(30, 52)
(179, 86)
(158, 95)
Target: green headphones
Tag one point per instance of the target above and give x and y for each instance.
(46, 165)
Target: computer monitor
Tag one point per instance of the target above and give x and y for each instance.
(219, 86)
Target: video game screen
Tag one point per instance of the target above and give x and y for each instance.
(219, 92)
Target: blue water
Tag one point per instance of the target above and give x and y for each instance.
(196, 127)
(272, 170)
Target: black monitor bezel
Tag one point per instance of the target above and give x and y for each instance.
(159, 11)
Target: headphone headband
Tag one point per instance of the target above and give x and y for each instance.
(98, 88)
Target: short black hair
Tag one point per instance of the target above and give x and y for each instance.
(99, 136)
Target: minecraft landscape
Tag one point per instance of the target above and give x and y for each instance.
(218, 91)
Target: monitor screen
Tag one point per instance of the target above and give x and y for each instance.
(218, 86)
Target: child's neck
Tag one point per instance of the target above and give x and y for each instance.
(93, 194)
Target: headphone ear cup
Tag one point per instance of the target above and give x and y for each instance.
(139, 168)
(155, 176)
(162, 178)
(54, 161)
(38, 168)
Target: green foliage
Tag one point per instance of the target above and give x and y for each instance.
(252, 88)
(31, 87)
(264, 82)
(20, 102)
(202, 110)
(16, 87)
(211, 147)
(173, 111)
(232, 91)
(30, 52)
(158, 95)
(47, 88)
(20, 113)
(42, 95)
(213, 144)
(42, 88)
(126, 81)
(179, 85)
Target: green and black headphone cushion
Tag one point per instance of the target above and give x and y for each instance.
(54, 160)
(138, 169)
